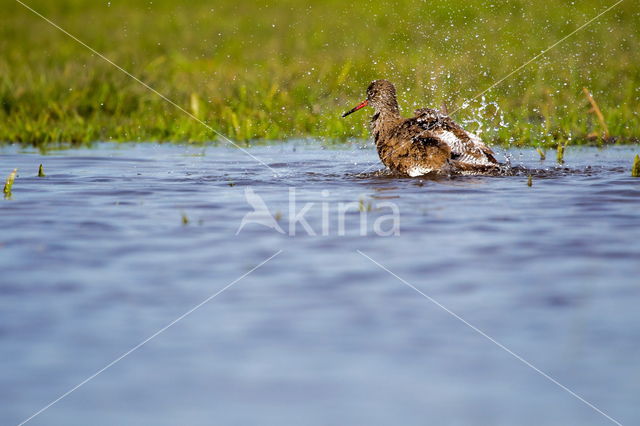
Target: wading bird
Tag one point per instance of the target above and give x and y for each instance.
(428, 142)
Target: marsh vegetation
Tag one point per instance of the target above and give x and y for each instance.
(287, 70)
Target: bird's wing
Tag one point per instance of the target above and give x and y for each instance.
(440, 125)
(423, 131)
(483, 147)
(465, 147)
(429, 138)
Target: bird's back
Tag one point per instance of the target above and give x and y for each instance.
(467, 150)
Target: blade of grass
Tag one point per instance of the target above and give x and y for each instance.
(8, 185)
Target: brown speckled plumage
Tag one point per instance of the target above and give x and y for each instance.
(428, 142)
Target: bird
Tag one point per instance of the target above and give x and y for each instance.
(428, 142)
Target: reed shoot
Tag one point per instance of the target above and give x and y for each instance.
(635, 169)
(9, 183)
(560, 153)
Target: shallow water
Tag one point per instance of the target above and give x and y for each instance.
(95, 259)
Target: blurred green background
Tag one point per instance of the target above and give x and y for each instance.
(260, 71)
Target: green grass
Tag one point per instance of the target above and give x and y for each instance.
(8, 184)
(256, 72)
(560, 153)
(635, 169)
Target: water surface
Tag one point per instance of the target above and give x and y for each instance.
(95, 258)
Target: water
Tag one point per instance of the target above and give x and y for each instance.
(95, 259)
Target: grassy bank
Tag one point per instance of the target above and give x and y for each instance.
(287, 70)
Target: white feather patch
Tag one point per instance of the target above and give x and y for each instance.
(452, 140)
(465, 152)
(418, 171)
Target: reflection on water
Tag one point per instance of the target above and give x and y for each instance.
(95, 258)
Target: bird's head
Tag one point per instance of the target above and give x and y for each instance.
(381, 95)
